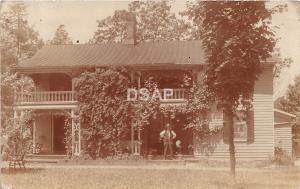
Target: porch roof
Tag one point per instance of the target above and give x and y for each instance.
(149, 53)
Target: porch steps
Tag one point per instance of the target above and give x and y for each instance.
(44, 158)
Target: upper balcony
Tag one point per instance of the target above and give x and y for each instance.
(57, 90)
(69, 97)
(47, 99)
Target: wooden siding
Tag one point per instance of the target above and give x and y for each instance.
(263, 145)
(283, 130)
(283, 137)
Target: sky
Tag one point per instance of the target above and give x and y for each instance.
(80, 18)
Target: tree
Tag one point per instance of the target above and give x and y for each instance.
(15, 132)
(16, 138)
(61, 36)
(18, 40)
(155, 22)
(237, 38)
(291, 101)
(103, 108)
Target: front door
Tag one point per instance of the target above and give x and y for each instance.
(58, 135)
(151, 135)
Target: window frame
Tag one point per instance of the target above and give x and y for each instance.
(246, 125)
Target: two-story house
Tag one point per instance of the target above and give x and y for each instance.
(53, 68)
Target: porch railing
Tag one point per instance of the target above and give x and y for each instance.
(45, 97)
(176, 95)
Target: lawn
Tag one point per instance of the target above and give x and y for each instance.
(117, 178)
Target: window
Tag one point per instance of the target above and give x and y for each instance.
(243, 124)
(240, 125)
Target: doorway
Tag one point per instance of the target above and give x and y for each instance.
(58, 135)
(152, 144)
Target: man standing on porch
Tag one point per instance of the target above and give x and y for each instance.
(168, 136)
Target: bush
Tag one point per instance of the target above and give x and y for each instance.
(282, 157)
(16, 136)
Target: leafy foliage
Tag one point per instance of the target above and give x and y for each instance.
(282, 157)
(237, 43)
(61, 36)
(157, 23)
(106, 116)
(165, 27)
(11, 83)
(238, 38)
(198, 110)
(18, 39)
(144, 111)
(16, 136)
(103, 108)
(68, 136)
(195, 114)
(291, 100)
(16, 133)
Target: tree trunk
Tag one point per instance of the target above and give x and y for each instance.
(231, 141)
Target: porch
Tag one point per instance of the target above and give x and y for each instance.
(55, 92)
(69, 97)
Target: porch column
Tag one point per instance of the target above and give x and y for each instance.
(139, 80)
(139, 142)
(22, 90)
(72, 80)
(132, 139)
(15, 114)
(34, 150)
(76, 142)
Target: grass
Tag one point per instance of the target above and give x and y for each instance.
(100, 178)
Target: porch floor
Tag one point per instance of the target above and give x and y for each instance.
(44, 158)
(158, 160)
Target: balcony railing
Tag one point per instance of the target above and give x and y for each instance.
(177, 95)
(66, 97)
(45, 97)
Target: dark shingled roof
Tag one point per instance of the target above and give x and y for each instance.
(174, 52)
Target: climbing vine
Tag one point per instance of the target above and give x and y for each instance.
(103, 109)
(106, 115)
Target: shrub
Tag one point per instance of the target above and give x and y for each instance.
(16, 136)
(282, 157)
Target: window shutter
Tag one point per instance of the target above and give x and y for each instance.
(250, 126)
(225, 128)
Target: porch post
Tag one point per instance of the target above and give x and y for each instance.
(131, 128)
(72, 131)
(75, 135)
(22, 90)
(34, 137)
(132, 139)
(72, 80)
(15, 114)
(139, 80)
(139, 142)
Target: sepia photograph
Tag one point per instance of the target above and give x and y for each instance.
(151, 94)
